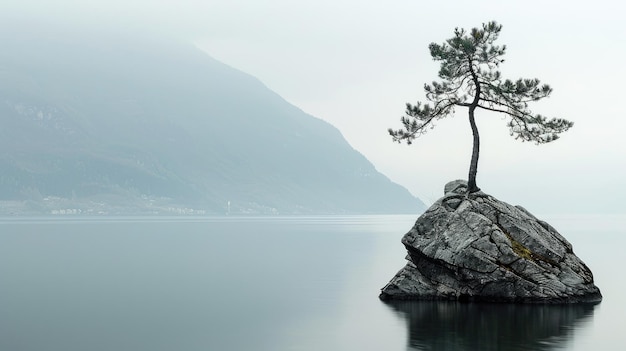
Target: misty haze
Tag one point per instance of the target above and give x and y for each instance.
(102, 124)
(185, 175)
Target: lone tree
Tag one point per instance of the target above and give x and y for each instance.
(470, 78)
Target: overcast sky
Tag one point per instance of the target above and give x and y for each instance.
(356, 63)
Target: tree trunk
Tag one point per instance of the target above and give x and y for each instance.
(471, 180)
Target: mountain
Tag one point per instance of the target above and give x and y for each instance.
(94, 122)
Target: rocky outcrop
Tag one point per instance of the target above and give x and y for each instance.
(473, 247)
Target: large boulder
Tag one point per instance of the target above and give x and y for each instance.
(473, 247)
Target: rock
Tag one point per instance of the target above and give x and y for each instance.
(456, 186)
(473, 247)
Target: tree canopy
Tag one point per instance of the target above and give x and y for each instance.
(470, 77)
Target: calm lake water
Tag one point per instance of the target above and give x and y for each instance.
(290, 283)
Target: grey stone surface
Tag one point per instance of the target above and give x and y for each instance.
(473, 247)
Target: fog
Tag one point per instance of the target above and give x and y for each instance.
(356, 64)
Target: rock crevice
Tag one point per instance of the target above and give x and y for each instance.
(473, 247)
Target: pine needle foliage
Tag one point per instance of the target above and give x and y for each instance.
(470, 77)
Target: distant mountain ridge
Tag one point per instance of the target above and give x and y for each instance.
(138, 125)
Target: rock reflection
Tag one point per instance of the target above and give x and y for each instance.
(473, 326)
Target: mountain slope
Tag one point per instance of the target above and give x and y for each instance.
(136, 124)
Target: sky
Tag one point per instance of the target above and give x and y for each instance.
(356, 63)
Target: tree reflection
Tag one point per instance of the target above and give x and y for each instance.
(458, 326)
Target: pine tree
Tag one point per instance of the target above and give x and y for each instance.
(470, 78)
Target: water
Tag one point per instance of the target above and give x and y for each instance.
(306, 283)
